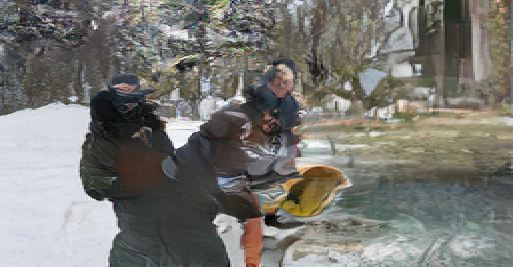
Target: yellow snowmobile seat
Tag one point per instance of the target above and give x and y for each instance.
(314, 192)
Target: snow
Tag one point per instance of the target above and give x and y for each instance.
(47, 219)
(179, 131)
(325, 146)
(508, 121)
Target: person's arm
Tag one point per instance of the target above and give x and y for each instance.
(226, 124)
(97, 170)
(159, 138)
(240, 204)
(105, 187)
(289, 118)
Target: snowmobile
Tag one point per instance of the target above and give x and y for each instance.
(305, 197)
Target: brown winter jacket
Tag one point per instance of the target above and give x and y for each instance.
(113, 138)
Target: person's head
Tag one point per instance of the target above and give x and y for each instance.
(125, 89)
(125, 83)
(283, 81)
(280, 78)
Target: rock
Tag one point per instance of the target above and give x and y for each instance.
(375, 134)
(508, 121)
(415, 149)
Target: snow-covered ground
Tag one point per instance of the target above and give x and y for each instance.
(46, 218)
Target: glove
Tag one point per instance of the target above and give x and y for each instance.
(152, 121)
(147, 107)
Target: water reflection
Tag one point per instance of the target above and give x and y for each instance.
(429, 224)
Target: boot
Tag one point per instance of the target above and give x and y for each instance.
(253, 242)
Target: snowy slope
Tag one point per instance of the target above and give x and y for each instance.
(47, 219)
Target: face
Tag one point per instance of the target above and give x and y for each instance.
(281, 86)
(126, 88)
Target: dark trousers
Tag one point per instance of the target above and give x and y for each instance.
(155, 231)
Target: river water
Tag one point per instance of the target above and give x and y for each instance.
(427, 223)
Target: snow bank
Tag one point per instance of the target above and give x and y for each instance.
(47, 219)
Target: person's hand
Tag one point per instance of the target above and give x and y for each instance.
(296, 139)
(154, 122)
(147, 107)
(144, 135)
(269, 123)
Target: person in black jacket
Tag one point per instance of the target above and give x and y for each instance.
(213, 165)
(274, 95)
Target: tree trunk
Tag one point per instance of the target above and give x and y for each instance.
(508, 40)
(359, 93)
